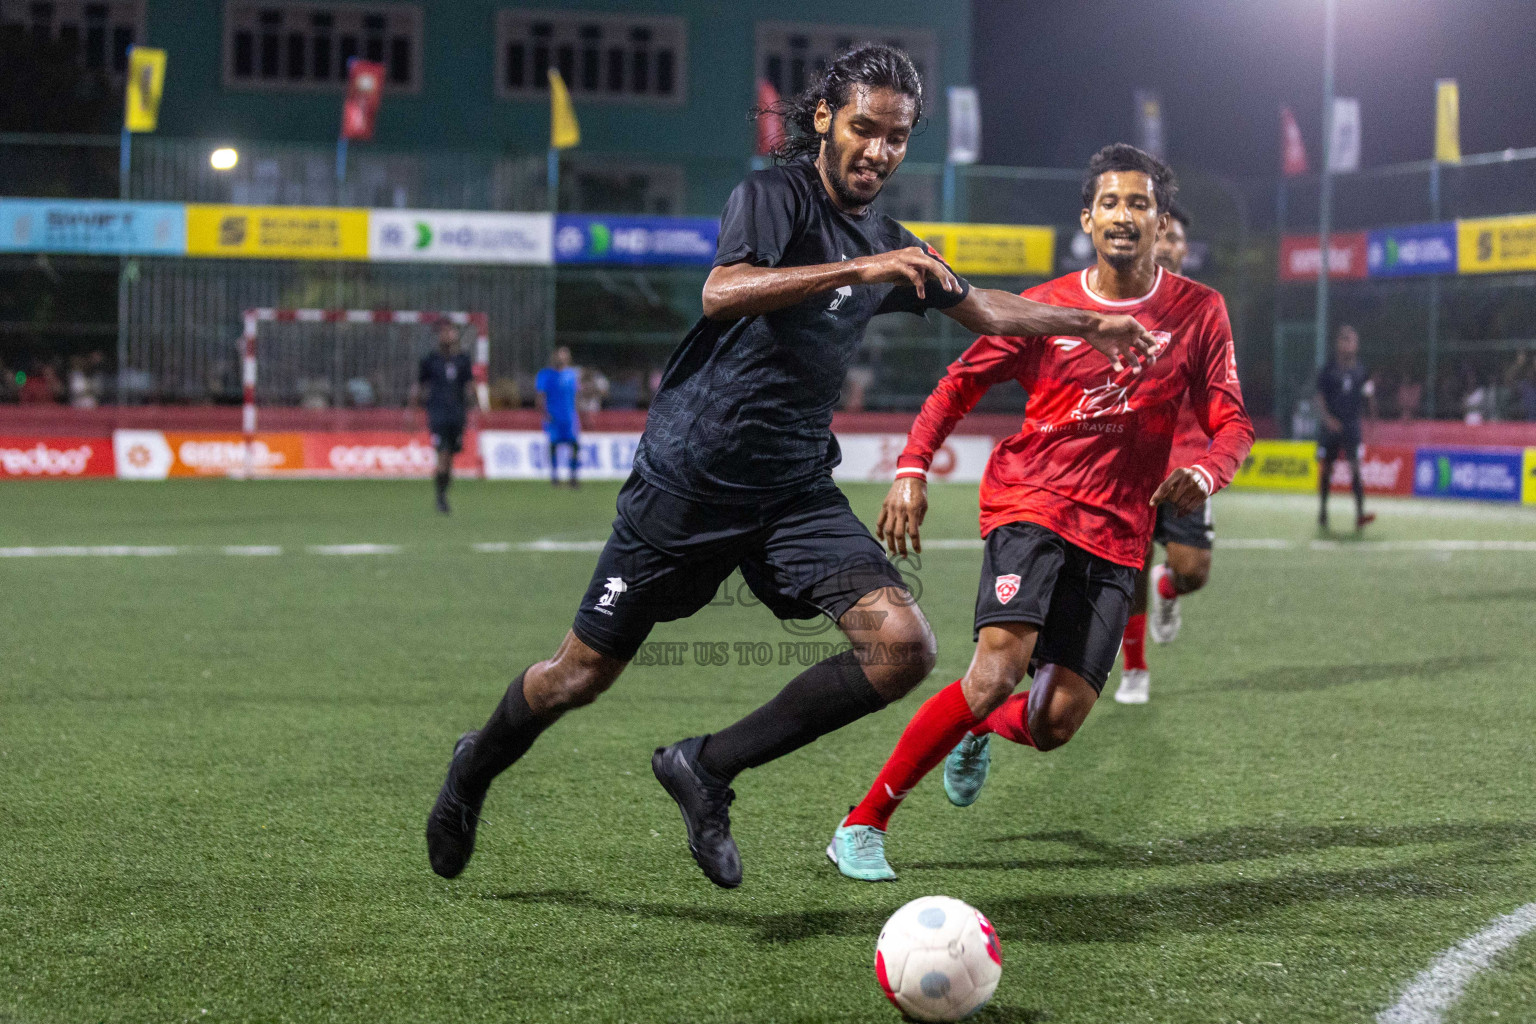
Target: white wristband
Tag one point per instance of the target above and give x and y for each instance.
(1203, 475)
(912, 471)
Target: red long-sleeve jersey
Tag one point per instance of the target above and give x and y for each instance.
(1095, 444)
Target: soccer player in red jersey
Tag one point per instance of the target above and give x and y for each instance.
(1067, 503)
(1187, 539)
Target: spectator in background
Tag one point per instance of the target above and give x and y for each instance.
(559, 386)
(83, 391)
(7, 383)
(42, 385)
(1520, 378)
(1410, 396)
(593, 392)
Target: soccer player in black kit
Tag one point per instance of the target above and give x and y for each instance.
(1343, 387)
(734, 469)
(447, 374)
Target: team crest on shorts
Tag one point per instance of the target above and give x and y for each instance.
(1007, 586)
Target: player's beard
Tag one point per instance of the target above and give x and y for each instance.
(1121, 260)
(833, 160)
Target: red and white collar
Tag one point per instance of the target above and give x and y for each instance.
(1119, 303)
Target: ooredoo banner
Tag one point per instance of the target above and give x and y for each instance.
(54, 458)
(1301, 256)
(378, 453)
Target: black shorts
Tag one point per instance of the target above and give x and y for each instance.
(447, 435)
(1196, 530)
(1332, 447)
(1079, 600)
(801, 556)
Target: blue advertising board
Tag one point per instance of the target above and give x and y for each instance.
(108, 227)
(1415, 249)
(1487, 474)
(636, 241)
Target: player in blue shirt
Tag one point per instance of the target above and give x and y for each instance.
(446, 374)
(1344, 390)
(557, 384)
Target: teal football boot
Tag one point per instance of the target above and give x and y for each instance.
(859, 852)
(965, 769)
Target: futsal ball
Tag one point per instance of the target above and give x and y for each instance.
(938, 959)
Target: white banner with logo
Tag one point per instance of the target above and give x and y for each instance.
(445, 236)
(524, 455)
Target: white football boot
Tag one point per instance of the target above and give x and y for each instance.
(1164, 620)
(1135, 686)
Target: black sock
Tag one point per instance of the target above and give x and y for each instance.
(827, 696)
(1324, 483)
(1358, 485)
(440, 481)
(507, 735)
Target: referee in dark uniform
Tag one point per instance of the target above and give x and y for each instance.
(1344, 389)
(447, 375)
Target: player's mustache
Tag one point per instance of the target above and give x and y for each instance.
(1130, 233)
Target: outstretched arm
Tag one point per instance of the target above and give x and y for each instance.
(988, 361)
(1121, 338)
(744, 289)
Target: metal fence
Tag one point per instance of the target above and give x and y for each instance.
(1440, 343)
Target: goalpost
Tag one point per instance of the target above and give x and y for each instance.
(404, 356)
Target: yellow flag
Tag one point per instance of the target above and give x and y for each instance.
(146, 82)
(564, 132)
(1447, 122)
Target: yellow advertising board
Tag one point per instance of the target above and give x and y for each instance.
(1279, 466)
(1493, 245)
(992, 250)
(277, 232)
(1528, 489)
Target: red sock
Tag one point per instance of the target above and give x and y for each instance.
(933, 732)
(1134, 643)
(1010, 721)
(1165, 588)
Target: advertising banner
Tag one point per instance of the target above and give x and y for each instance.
(54, 458)
(1416, 249)
(1528, 491)
(872, 458)
(1493, 245)
(1384, 469)
(379, 453)
(277, 232)
(1279, 466)
(991, 250)
(1487, 474)
(524, 455)
(108, 228)
(1301, 256)
(636, 241)
(440, 236)
(158, 455)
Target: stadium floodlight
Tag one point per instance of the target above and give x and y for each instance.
(224, 158)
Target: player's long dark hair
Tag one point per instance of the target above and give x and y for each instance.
(1122, 156)
(874, 64)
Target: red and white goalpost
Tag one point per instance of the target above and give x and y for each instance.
(255, 317)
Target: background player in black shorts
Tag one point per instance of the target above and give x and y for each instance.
(734, 468)
(447, 375)
(1344, 389)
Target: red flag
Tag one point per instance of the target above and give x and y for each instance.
(1293, 152)
(365, 85)
(770, 124)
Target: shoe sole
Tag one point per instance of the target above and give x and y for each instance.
(1139, 698)
(666, 784)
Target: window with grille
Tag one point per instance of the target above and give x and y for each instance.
(599, 56)
(791, 54)
(307, 45)
(100, 32)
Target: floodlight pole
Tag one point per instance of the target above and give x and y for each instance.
(1325, 203)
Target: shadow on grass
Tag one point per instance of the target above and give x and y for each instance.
(1302, 678)
(1489, 840)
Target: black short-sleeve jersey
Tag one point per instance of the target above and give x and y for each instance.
(745, 406)
(1343, 392)
(445, 379)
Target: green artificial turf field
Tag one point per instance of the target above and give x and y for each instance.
(215, 767)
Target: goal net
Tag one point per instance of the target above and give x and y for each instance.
(340, 358)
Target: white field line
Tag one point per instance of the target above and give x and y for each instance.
(546, 546)
(354, 549)
(1438, 986)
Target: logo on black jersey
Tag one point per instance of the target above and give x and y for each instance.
(841, 295)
